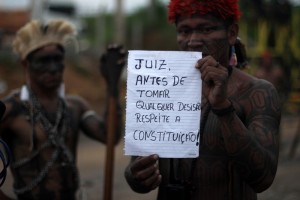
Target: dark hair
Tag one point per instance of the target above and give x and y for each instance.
(241, 54)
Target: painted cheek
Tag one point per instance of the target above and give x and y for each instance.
(216, 47)
(55, 67)
(182, 42)
(51, 67)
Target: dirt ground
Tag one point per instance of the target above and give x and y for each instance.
(91, 157)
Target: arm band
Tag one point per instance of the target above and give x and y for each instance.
(88, 114)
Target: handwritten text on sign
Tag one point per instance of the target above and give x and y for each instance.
(163, 104)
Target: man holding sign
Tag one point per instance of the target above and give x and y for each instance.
(240, 116)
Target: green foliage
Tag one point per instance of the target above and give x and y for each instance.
(158, 33)
(147, 27)
(90, 31)
(8, 60)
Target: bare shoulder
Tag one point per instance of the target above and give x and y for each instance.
(248, 82)
(77, 102)
(12, 103)
(256, 96)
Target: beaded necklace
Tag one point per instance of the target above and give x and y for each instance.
(56, 138)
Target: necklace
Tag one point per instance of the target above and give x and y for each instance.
(56, 138)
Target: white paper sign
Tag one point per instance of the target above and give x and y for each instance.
(163, 105)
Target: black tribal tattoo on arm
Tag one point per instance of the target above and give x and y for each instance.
(253, 143)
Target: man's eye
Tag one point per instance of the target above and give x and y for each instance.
(38, 61)
(58, 58)
(49, 59)
(207, 30)
(184, 31)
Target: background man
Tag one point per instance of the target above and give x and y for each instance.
(41, 124)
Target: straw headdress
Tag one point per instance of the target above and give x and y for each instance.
(35, 35)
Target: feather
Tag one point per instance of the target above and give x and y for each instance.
(225, 9)
(34, 35)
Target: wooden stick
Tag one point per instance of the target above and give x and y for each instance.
(110, 142)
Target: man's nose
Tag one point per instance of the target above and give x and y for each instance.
(54, 67)
(196, 40)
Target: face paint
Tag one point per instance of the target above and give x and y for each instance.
(183, 31)
(213, 47)
(201, 33)
(50, 63)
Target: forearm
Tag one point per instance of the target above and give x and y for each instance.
(256, 165)
(253, 151)
(97, 128)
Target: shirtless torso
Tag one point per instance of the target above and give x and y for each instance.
(44, 157)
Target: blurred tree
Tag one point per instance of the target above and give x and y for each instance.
(146, 28)
(150, 26)
(269, 25)
(272, 21)
(265, 24)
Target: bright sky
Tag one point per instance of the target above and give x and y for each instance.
(94, 5)
(109, 5)
(85, 5)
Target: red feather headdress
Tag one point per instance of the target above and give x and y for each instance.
(224, 9)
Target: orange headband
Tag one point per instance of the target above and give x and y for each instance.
(223, 9)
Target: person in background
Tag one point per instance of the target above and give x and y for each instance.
(271, 71)
(240, 116)
(41, 124)
(5, 154)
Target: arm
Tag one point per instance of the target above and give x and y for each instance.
(111, 66)
(252, 146)
(95, 126)
(142, 174)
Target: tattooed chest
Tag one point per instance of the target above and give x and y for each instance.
(212, 139)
